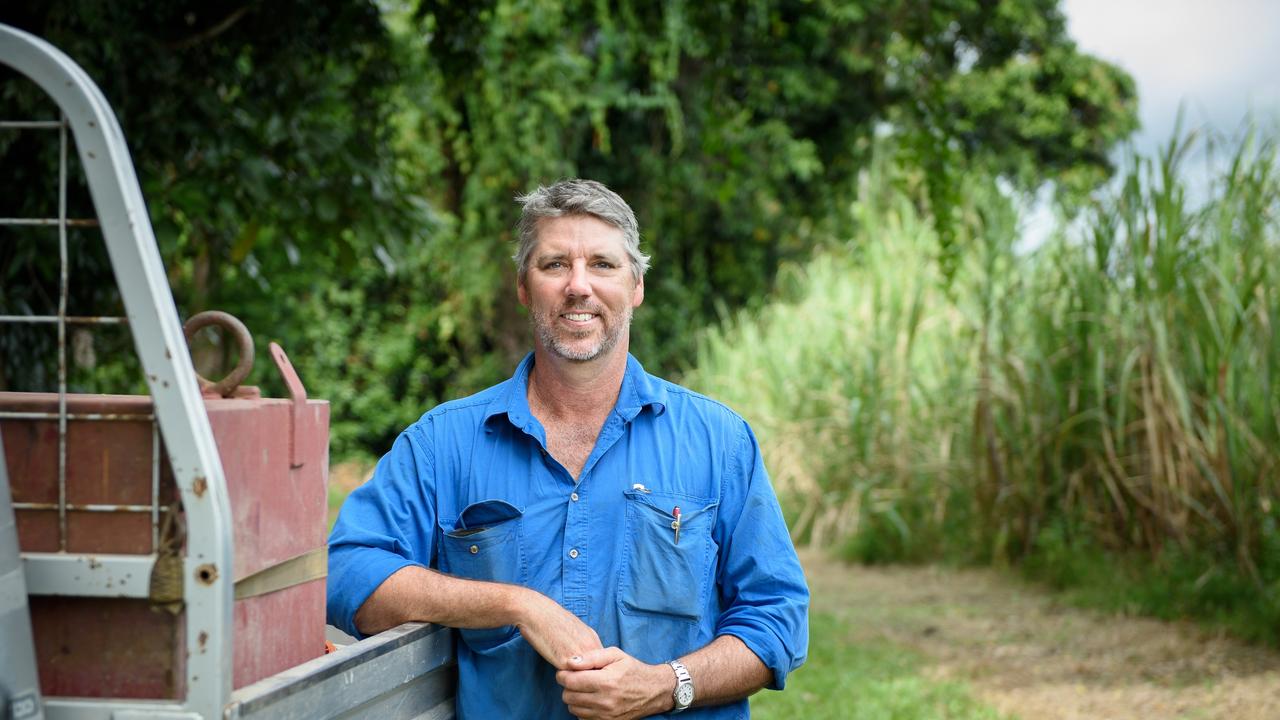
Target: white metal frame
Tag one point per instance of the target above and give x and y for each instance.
(403, 673)
(179, 409)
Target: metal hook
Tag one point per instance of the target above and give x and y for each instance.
(225, 387)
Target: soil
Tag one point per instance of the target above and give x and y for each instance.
(1025, 653)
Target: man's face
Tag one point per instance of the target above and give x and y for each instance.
(579, 288)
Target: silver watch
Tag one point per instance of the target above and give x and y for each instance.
(683, 694)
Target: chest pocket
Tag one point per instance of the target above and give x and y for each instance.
(661, 575)
(485, 544)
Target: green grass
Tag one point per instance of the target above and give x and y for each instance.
(337, 496)
(1179, 584)
(849, 680)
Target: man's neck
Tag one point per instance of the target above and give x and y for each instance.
(564, 389)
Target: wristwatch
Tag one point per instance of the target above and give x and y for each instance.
(683, 694)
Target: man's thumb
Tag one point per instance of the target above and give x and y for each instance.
(593, 659)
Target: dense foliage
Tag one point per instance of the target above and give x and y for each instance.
(737, 129)
(341, 176)
(263, 144)
(1115, 393)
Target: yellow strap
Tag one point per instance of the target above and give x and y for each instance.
(311, 565)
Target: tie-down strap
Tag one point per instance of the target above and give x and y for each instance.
(311, 565)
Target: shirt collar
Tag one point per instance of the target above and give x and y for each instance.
(639, 390)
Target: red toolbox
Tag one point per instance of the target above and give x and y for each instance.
(117, 496)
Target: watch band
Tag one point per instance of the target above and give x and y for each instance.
(682, 696)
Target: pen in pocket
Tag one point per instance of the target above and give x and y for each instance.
(675, 524)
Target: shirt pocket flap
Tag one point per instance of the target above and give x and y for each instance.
(486, 513)
(665, 504)
(490, 551)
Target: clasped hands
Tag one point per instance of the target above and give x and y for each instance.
(598, 682)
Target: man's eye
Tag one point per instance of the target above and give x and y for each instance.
(604, 265)
(553, 265)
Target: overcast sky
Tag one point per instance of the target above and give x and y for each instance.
(1221, 58)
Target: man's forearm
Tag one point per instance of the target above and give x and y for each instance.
(725, 670)
(416, 594)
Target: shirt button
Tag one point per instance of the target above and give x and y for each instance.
(474, 549)
(573, 497)
(573, 553)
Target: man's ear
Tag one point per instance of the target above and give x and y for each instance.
(522, 292)
(637, 296)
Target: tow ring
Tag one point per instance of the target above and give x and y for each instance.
(225, 387)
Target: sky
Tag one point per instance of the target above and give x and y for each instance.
(1217, 61)
(1218, 58)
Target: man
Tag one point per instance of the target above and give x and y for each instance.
(607, 543)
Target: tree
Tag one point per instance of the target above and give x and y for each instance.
(738, 129)
(262, 136)
(343, 177)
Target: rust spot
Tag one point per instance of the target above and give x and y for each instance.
(207, 573)
(199, 486)
(164, 383)
(91, 155)
(202, 638)
(94, 563)
(91, 124)
(167, 356)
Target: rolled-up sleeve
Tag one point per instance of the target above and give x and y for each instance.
(384, 525)
(763, 593)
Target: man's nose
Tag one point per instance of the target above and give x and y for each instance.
(579, 284)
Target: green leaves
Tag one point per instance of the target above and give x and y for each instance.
(314, 165)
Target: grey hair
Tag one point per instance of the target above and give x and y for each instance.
(577, 197)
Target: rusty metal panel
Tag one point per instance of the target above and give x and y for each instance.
(278, 512)
(115, 476)
(109, 463)
(107, 647)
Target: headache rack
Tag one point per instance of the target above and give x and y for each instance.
(404, 673)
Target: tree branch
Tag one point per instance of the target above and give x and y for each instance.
(212, 32)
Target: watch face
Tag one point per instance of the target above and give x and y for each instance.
(684, 695)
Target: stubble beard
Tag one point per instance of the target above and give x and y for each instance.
(544, 327)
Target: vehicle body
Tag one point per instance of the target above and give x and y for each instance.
(406, 672)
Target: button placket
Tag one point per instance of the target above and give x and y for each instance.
(575, 570)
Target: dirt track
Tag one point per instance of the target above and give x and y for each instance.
(1026, 654)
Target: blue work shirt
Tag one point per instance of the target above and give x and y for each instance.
(471, 490)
